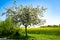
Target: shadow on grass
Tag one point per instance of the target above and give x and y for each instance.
(22, 38)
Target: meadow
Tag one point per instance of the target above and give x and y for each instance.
(12, 31)
(47, 33)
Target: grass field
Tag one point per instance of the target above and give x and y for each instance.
(44, 33)
(43, 37)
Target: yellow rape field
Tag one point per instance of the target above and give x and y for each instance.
(47, 30)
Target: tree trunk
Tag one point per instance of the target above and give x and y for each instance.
(26, 30)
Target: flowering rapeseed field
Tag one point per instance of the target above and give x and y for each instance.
(47, 30)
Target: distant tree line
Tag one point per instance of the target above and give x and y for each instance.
(51, 26)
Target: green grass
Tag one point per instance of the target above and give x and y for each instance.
(48, 33)
(43, 37)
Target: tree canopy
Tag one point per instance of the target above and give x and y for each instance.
(26, 15)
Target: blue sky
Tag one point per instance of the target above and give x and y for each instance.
(52, 15)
